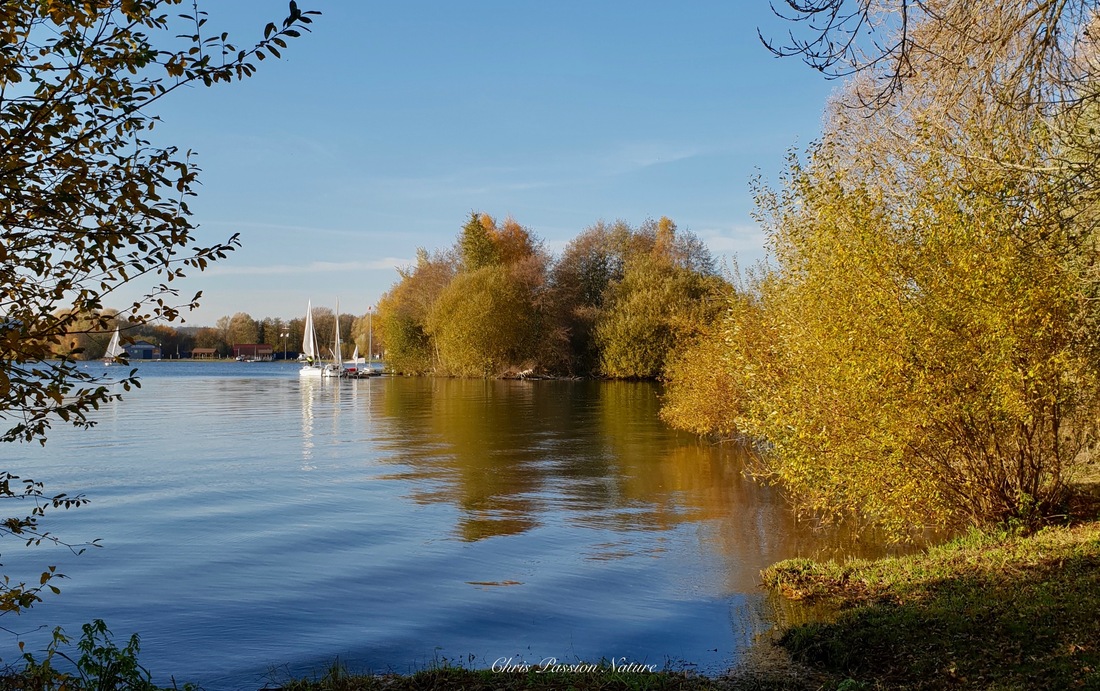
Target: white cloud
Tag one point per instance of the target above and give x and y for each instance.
(567, 168)
(632, 156)
(737, 238)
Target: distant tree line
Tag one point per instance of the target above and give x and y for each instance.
(87, 342)
(616, 303)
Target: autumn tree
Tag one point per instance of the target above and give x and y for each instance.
(1028, 66)
(271, 333)
(483, 323)
(403, 312)
(84, 337)
(496, 302)
(930, 364)
(207, 337)
(579, 283)
(476, 309)
(1036, 42)
(295, 332)
(513, 243)
(475, 244)
(989, 112)
(242, 328)
(925, 346)
(172, 342)
(661, 301)
(324, 323)
(88, 204)
(705, 379)
(489, 318)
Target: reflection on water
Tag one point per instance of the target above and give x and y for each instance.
(308, 390)
(462, 519)
(514, 455)
(510, 453)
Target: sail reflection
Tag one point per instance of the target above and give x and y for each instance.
(337, 421)
(308, 391)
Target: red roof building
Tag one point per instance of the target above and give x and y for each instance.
(253, 351)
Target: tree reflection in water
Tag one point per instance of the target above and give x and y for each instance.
(512, 456)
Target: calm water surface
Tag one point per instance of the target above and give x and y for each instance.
(255, 526)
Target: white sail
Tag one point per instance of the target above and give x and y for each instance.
(312, 368)
(309, 336)
(114, 348)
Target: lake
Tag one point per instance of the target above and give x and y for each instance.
(255, 526)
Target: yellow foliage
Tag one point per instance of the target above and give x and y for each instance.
(483, 323)
(701, 393)
(654, 308)
(927, 369)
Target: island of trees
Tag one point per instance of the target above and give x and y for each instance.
(615, 303)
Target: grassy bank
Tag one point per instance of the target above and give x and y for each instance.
(488, 680)
(765, 673)
(985, 611)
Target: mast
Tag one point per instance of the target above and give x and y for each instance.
(337, 357)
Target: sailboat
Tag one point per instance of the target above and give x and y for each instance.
(355, 371)
(336, 369)
(114, 349)
(310, 349)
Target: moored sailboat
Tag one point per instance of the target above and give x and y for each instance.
(114, 349)
(336, 369)
(356, 371)
(310, 350)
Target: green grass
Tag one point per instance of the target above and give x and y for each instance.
(995, 611)
(447, 677)
(486, 680)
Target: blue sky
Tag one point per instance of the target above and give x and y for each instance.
(379, 132)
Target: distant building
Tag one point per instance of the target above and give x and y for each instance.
(204, 353)
(142, 350)
(254, 351)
